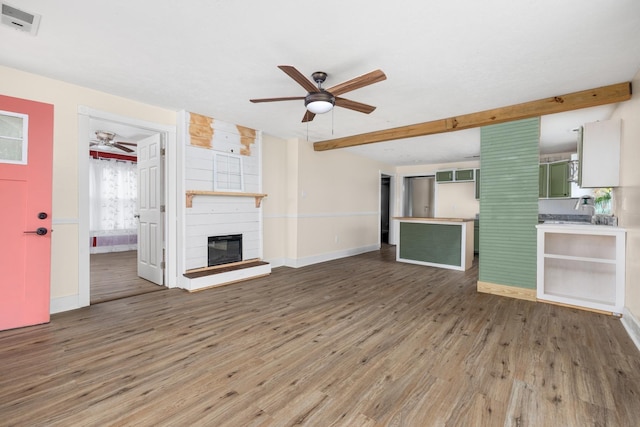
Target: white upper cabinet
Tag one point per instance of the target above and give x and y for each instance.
(599, 152)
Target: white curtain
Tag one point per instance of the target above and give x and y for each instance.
(113, 193)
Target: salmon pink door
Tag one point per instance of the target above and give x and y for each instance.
(26, 153)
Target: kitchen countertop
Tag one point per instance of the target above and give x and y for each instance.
(408, 218)
(579, 226)
(564, 217)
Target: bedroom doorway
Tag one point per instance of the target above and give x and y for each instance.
(126, 188)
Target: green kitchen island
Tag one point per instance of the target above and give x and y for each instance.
(436, 242)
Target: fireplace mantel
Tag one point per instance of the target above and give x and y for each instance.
(191, 193)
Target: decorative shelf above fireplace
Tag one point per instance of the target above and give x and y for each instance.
(191, 193)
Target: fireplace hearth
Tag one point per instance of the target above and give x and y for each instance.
(224, 249)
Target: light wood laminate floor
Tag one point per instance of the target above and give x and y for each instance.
(114, 275)
(360, 341)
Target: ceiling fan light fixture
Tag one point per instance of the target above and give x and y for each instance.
(319, 102)
(105, 136)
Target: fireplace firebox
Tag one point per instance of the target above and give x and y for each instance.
(224, 249)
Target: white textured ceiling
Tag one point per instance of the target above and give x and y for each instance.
(441, 59)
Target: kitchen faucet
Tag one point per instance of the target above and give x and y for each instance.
(586, 203)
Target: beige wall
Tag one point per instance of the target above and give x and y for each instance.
(627, 196)
(274, 206)
(66, 98)
(326, 204)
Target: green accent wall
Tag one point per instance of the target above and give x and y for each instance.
(436, 243)
(509, 160)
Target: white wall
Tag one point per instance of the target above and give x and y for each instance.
(626, 199)
(558, 207)
(456, 200)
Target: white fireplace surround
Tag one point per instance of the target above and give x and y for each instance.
(210, 212)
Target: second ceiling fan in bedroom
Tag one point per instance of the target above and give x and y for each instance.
(319, 100)
(106, 139)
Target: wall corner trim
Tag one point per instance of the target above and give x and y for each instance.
(632, 326)
(61, 304)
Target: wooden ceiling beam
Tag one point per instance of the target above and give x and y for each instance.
(556, 104)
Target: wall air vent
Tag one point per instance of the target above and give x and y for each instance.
(20, 20)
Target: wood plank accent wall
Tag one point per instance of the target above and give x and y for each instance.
(247, 138)
(221, 214)
(509, 154)
(206, 132)
(200, 130)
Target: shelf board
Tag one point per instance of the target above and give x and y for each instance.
(191, 193)
(579, 258)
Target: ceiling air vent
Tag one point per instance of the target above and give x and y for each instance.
(20, 20)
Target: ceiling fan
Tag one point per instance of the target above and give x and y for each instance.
(105, 139)
(319, 100)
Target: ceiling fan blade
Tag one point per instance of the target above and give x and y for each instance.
(308, 116)
(353, 105)
(358, 82)
(299, 77)
(122, 147)
(287, 98)
(133, 144)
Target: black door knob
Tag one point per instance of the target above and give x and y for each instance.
(41, 231)
(42, 215)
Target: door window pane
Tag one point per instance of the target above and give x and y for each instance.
(13, 137)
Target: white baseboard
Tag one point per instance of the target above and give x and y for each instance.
(315, 259)
(279, 262)
(632, 325)
(58, 305)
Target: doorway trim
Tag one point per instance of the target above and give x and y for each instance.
(168, 134)
(392, 206)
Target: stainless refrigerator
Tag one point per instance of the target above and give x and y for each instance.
(419, 196)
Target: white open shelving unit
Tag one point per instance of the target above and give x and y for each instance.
(582, 266)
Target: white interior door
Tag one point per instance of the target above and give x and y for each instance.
(150, 230)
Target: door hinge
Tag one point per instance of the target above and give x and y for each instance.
(162, 265)
(163, 151)
(163, 208)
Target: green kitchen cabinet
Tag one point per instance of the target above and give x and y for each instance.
(477, 184)
(464, 175)
(559, 185)
(543, 181)
(444, 176)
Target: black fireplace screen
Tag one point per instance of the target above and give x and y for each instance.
(225, 249)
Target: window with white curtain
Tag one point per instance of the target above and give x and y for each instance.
(113, 194)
